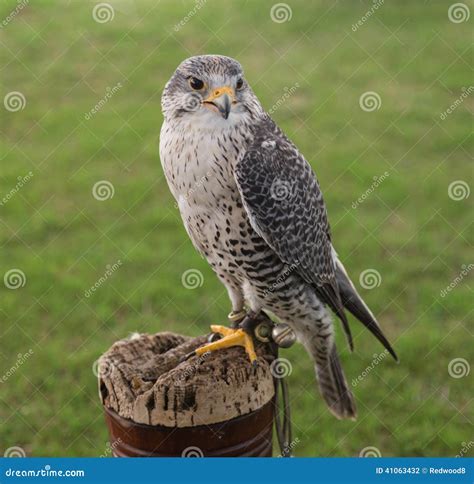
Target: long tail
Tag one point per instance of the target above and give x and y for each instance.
(333, 385)
(331, 380)
(354, 303)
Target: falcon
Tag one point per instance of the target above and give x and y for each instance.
(252, 206)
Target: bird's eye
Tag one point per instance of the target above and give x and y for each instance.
(196, 83)
(240, 83)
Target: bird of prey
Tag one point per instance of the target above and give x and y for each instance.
(252, 206)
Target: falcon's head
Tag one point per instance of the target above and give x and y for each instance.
(210, 89)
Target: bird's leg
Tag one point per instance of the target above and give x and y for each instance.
(240, 334)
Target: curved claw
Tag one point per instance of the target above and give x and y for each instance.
(231, 337)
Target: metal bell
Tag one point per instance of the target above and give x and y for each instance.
(283, 335)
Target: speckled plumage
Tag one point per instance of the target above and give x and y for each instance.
(252, 206)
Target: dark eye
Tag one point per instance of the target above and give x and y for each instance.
(240, 83)
(196, 83)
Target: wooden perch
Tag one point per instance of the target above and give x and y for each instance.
(157, 404)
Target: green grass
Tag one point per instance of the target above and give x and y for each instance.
(408, 229)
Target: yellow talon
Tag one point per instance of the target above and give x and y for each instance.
(231, 337)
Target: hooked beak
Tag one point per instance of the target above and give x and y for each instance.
(221, 100)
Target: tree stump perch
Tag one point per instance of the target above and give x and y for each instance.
(156, 404)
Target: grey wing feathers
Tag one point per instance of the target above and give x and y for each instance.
(284, 202)
(285, 205)
(355, 304)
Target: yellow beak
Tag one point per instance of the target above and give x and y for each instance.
(222, 99)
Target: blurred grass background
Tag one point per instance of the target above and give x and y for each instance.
(63, 239)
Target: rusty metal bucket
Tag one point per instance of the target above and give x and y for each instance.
(249, 435)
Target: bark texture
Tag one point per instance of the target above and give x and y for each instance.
(144, 380)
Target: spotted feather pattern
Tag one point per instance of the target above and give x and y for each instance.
(286, 207)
